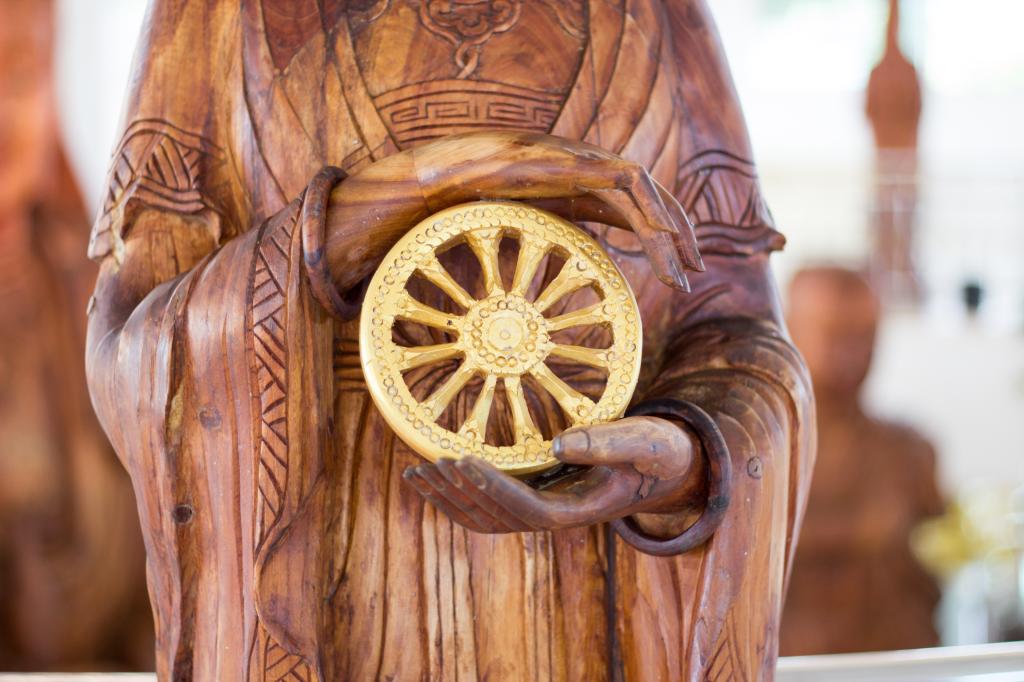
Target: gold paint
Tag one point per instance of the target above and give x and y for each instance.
(500, 337)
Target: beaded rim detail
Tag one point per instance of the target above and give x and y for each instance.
(502, 336)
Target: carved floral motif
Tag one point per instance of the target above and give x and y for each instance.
(468, 25)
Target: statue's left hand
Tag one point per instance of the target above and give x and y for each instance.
(636, 465)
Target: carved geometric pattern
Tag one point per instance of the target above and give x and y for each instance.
(162, 163)
(722, 196)
(468, 25)
(269, 321)
(159, 165)
(425, 111)
(724, 666)
(348, 372)
(272, 663)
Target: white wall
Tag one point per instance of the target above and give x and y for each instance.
(95, 43)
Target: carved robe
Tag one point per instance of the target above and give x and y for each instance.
(281, 539)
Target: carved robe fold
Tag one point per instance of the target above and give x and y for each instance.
(281, 538)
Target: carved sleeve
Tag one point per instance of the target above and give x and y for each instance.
(158, 166)
(728, 355)
(226, 366)
(169, 187)
(178, 277)
(722, 197)
(742, 372)
(716, 181)
(746, 374)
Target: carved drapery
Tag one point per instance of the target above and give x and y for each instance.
(263, 482)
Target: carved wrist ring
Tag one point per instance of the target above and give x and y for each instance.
(313, 224)
(719, 480)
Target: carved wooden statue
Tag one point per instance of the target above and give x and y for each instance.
(290, 533)
(71, 555)
(856, 586)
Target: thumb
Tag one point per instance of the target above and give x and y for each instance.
(653, 446)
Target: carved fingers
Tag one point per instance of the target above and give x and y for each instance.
(686, 240)
(478, 496)
(637, 464)
(643, 205)
(440, 499)
(371, 210)
(652, 446)
(640, 202)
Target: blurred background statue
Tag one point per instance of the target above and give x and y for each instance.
(71, 555)
(894, 110)
(856, 586)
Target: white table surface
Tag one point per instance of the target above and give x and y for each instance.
(982, 663)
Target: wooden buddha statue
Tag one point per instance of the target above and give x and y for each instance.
(273, 152)
(874, 482)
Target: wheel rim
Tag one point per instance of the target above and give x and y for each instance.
(503, 336)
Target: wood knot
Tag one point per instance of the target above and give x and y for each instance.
(209, 417)
(182, 514)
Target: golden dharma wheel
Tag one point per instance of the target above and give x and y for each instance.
(505, 335)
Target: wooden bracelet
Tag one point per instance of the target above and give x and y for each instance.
(313, 225)
(719, 480)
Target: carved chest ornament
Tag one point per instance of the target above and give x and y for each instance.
(504, 336)
(469, 24)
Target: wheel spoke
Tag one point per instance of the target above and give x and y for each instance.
(569, 279)
(522, 423)
(413, 310)
(443, 396)
(595, 357)
(475, 425)
(484, 244)
(531, 253)
(425, 355)
(439, 276)
(575, 405)
(591, 314)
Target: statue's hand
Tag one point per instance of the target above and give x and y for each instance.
(376, 206)
(637, 464)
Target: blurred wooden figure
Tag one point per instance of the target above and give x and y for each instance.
(893, 108)
(71, 555)
(856, 585)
